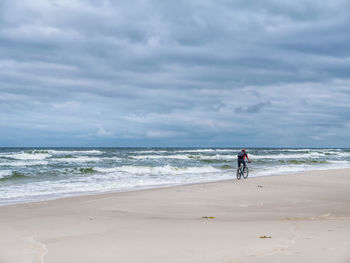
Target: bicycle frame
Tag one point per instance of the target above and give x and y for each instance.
(242, 171)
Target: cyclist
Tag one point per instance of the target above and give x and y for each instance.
(241, 156)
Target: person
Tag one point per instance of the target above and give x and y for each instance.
(241, 158)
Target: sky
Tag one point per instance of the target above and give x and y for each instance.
(194, 73)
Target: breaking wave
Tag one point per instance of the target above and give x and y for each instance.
(29, 174)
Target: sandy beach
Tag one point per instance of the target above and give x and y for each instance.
(289, 218)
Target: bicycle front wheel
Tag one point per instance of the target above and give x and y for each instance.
(238, 174)
(245, 172)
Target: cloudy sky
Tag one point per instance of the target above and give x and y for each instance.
(175, 73)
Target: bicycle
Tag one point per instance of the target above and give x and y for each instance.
(242, 172)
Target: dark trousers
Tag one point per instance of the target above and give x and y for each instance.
(241, 161)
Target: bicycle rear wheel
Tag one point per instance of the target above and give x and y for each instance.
(245, 172)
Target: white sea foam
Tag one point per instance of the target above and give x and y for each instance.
(234, 156)
(185, 157)
(339, 161)
(158, 170)
(207, 150)
(75, 152)
(340, 154)
(189, 151)
(293, 150)
(5, 173)
(93, 184)
(112, 159)
(29, 156)
(80, 159)
(286, 156)
(216, 157)
(178, 156)
(196, 150)
(24, 163)
(149, 151)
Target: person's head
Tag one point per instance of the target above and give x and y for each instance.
(243, 150)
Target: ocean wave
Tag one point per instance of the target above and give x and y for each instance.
(189, 151)
(150, 151)
(233, 157)
(112, 159)
(215, 160)
(186, 157)
(197, 150)
(63, 156)
(339, 161)
(158, 170)
(218, 157)
(94, 152)
(5, 173)
(340, 154)
(178, 156)
(58, 153)
(12, 175)
(29, 156)
(297, 150)
(87, 170)
(78, 159)
(307, 161)
(234, 151)
(36, 151)
(226, 167)
(24, 163)
(286, 156)
(77, 170)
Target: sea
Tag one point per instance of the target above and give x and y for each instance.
(35, 174)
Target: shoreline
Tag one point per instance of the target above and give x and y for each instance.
(161, 187)
(303, 217)
(39, 175)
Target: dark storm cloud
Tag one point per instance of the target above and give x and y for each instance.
(110, 72)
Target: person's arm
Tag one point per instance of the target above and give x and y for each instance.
(248, 158)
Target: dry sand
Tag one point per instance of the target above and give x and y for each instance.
(304, 217)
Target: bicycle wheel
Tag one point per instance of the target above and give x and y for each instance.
(238, 174)
(245, 172)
